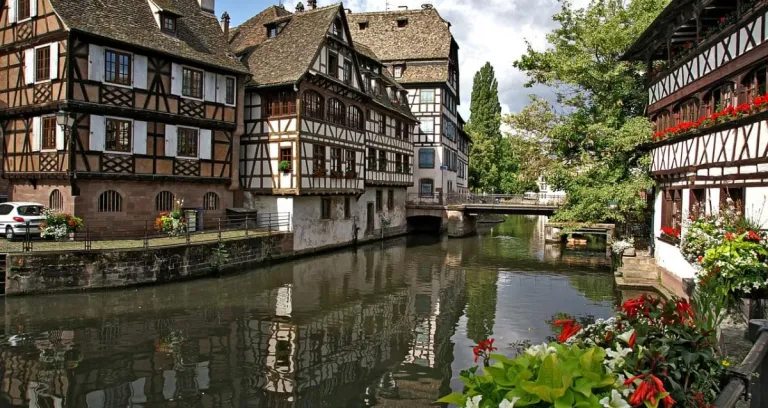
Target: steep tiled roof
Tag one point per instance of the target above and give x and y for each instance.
(285, 58)
(252, 32)
(199, 36)
(425, 72)
(425, 36)
(382, 99)
(365, 51)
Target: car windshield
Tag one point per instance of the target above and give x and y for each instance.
(30, 210)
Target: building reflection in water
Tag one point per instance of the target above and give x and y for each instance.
(344, 329)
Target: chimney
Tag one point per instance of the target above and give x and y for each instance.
(225, 24)
(426, 6)
(312, 4)
(299, 7)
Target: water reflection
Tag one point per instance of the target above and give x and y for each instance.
(380, 326)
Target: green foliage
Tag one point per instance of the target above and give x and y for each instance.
(482, 292)
(284, 166)
(736, 268)
(596, 142)
(220, 257)
(484, 126)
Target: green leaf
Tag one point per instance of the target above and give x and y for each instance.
(566, 401)
(525, 397)
(454, 398)
(549, 384)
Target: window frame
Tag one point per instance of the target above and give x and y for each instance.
(427, 150)
(282, 157)
(164, 17)
(107, 119)
(51, 137)
(346, 71)
(390, 200)
(336, 160)
(337, 112)
(372, 159)
(184, 69)
(350, 161)
(325, 208)
(429, 92)
(355, 118)
(431, 183)
(335, 57)
(29, 16)
(117, 202)
(211, 206)
(118, 54)
(427, 120)
(383, 161)
(318, 160)
(47, 70)
(57, 195)
(227, 80)
(379, 201)
(179, 130)
(397, 70)
(347, 208)
(318, 104)
(284, 102)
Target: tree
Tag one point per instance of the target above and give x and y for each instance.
(527, 142)
(484, 127)
(597, 142)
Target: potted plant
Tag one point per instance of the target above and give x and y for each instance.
(336, 174)
(670, 235)
(624, 247)
(59, 225)
(320, 172)
(172, 223)
(284, 166)
(350, 174)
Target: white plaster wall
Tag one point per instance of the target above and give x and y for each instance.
(670, 258)
(656, 227)
(713, 195)
(756, 205)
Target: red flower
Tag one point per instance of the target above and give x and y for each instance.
(744, 108)
(722, 19)
(700, 259)
(632, 306)
(684, 310)
(608, 336)
(483, 348)
(672, 232)
(570, 328)
(633, 339)
(752, 236)
(648, 390)
(729, 236)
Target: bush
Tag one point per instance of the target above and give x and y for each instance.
(58, 225)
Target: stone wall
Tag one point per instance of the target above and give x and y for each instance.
(39, 272)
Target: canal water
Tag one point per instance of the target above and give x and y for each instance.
(387, 325)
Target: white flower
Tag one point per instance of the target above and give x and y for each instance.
(619, 353)
(507, 404)
(625, 336)
(540, 351)
(474, 402)
(614, 401)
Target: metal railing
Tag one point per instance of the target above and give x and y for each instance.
(532, 200)
(750, 378)
(147, 234)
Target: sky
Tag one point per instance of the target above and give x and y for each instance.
(486, 30)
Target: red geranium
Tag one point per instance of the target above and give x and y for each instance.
(752, 236)
(570, 328)
(672, 232)
(483, 349)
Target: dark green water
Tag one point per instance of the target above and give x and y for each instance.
(386, 325)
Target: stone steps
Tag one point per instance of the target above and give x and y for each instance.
(641, 267)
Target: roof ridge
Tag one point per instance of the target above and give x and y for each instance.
(261, 13)
(395, 11)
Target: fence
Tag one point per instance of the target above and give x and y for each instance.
(750, 378)
(145, 234)
(532, 200)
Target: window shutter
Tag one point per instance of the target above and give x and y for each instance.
(36, 130)
(176, 73)
(29, 66)
(60, 137)
(221, 89)
(12, 11)
(32, 8)
(98, 130)
(209, 86)
(139, 137)
(95, 63)
(205, 144)
(140, 71)
(170, 141)
(54, 57)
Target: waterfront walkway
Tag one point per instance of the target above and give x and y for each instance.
(524, 204)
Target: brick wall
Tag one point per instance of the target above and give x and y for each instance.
(41, 192)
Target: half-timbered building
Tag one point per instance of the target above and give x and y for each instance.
(419, 51)
(148, 93)
(707, 63)
(327, 132)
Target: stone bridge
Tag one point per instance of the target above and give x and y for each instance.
(456, 214)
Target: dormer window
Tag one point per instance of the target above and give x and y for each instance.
(402, 22)
(168, 23)
(363, 25)
(337, 30)
(397, 71)
(272, 31)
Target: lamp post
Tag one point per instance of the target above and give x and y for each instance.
(66, 121)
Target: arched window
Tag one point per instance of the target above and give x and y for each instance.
(755, 83)
(211, 201)
(164, 201)
(336, 112)
(56, 200)
(663, 120)
(687, 111)
(110, 201)
(312, 104)
(356, 118)
(719, 98)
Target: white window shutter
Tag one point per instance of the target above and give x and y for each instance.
(140, 71)
(176, 73)
(60, 137)
(171, 143)
(12, 11)
(95, 63)
(139, 137)
(221, 89)
(54, 58)
(98, 132)
(32, 8)
(209, 86)
(205, 144)
(36, 130)
(29, 66)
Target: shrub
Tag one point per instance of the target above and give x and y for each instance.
(58, 225)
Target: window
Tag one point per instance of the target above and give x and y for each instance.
(355, 120)
(398, 163)
(427, 125)
(43, 64)
(192, 83)
(118, 137)
(755, 84)
(280, 103)
(719, 98)
(688, 111)
(168, 23)
(286, 154)
(336, 112)
(427, 96)
(406, 131)
(24, 9)
(698, 200)
(663, 121)
(313, 104)
(117, 67)
(390, 200)
(110, 201)
(333, 64)
(382, 160)
(363, 25)
(426, 158)
(337, 27)
(449, 129)
(56, 200)
(5, 209)
(347, 208)
(371, 159)
(398, 129)
(272, 31)
(49, 133)
(426, 187)
(379, 201)
(164, 201)
(187, 142)
(318, 158)
(671, 209)
(325, 208)
(735, 194)
(229, 92)
(383, 124)
(351, 161)
(211, 201)
(347, 70)
(336, 159)
(397, 71)
(402, 22)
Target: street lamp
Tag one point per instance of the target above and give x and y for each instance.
(66, 121)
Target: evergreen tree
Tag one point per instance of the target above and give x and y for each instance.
(484, 127)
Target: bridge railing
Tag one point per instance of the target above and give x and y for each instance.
(532, 200)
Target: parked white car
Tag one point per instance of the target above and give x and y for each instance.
(14, 217)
